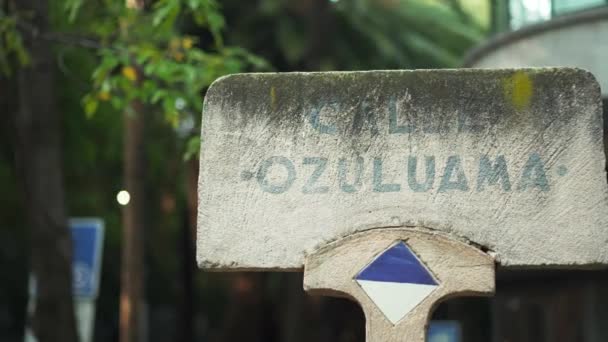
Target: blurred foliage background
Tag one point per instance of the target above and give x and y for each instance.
(106, 56)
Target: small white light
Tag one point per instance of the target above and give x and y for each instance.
(180, 103)
(123, 197)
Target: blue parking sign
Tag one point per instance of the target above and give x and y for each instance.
(444, 331)
(87, 242)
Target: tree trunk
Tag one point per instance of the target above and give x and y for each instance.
(132, 299)
(246, 316)
(186, 297)
(39, 161)
(132, 304)
(319, 26)
(192, 195)
(186, 300)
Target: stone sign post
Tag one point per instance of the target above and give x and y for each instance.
(399, 189)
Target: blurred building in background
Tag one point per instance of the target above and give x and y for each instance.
(544, 306)
(535, 33)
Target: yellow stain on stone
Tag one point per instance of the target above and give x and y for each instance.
(518, 89)
(273, 98)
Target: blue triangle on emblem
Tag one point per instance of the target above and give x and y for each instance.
(397, 265)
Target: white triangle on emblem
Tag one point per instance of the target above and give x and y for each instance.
(395, 300)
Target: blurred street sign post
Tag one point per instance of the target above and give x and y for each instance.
(87, 243)
(402, 188)
(87, 239)
(444, 331)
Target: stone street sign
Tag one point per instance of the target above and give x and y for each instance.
(509, 160)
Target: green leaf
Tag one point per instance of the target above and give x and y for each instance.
(72, 7)
(90, 105)
(158, 95)
(216, 21)
(107, 64)
(216, 24)
(165, 12)
(196, 4)
(117, 103)
(291, 41)
(258, 63)
(193, 146)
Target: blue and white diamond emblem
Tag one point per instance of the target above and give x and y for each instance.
(396, 281)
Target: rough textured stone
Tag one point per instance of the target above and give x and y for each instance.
(458, 268)
(293, 161)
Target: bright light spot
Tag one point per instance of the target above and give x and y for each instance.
(539, 8)
(185, 126)
(524, 12)
(123, 197)
(180, 103)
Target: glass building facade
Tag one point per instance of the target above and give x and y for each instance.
(515, 14)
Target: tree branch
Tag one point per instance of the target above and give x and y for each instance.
(59, 37)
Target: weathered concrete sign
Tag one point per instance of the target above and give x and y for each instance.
(511, 160)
